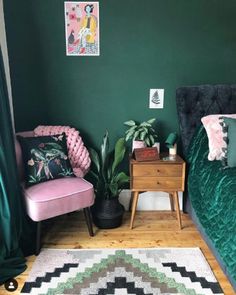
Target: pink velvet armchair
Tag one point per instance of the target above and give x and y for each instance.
(58, 196)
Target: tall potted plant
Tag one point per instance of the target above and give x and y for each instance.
(141, 132)
(108, 181)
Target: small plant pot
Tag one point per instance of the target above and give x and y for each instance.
(138, 144)
(108, 213)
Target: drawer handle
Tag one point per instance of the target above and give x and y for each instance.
(158, 182)
(158, 170)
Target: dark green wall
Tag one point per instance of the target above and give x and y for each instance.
(144, 44)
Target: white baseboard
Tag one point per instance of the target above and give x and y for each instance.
(149, 200)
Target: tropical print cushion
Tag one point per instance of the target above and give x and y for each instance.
(45, 158)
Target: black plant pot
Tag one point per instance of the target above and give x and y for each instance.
(108, 213)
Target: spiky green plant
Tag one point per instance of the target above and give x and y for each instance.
(107, 178)
(143, 131)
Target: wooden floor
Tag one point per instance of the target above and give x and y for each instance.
(151, 229)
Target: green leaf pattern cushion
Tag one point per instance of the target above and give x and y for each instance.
(45, 158)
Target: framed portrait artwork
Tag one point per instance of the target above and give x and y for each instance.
(82, 28)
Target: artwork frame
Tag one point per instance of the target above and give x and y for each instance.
(82, 30)
(156, 99)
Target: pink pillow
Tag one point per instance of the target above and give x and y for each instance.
(215, 135)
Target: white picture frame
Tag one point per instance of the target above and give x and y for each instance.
(156, 98)
(82, 36)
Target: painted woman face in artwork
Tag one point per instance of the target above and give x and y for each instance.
(88, 9)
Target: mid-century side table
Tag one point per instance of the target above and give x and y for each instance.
(160, 175)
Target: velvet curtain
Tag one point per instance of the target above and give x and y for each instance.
(16, 231)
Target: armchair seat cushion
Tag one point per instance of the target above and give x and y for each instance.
(57, 197)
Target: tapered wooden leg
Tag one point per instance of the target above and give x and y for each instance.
(134, 205)
(38, 238)
(171, 202)
(131, 201)
(177, 209)
(88, 220)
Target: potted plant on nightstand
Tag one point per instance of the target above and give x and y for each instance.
(142, 134)
(108, 181)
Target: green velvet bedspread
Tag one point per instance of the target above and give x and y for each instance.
(212, 191)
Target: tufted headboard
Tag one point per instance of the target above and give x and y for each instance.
(194, 102)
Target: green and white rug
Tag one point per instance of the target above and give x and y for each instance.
(122, 272)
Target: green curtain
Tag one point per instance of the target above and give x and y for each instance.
(16, 230)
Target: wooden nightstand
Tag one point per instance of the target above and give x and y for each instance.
(160, 175)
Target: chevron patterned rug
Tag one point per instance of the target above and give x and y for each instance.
(151, 271)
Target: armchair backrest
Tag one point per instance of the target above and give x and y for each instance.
(77, 152)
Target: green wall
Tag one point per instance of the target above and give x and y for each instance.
(144, 44)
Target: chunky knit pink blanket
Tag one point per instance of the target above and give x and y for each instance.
(77, 152)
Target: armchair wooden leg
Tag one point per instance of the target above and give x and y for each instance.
(38, 238)
(88, 220)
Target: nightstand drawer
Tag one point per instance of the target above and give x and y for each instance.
(157, 183)
(158, 170)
